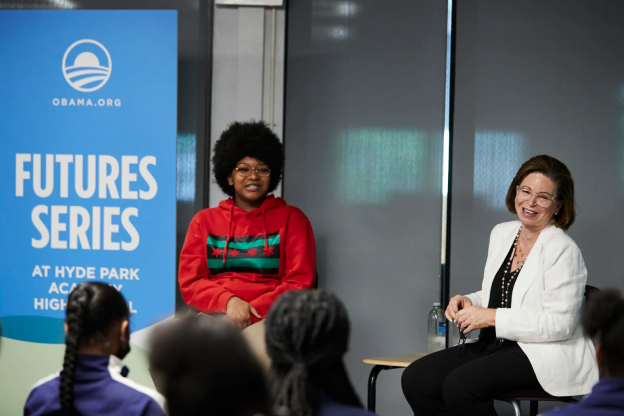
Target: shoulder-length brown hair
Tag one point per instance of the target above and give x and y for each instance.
(557, 172)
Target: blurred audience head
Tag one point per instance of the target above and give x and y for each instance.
(96, 322)
(307, 334)
(603, 321)
(207, 368)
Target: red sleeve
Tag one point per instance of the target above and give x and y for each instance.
(300, 261)
(197, 289)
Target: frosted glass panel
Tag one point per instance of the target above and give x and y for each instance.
(186, 167)
(363, 137)
(374, 164)
(538, 77)
(497, 157)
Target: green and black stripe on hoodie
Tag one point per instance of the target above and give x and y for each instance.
(244, 254)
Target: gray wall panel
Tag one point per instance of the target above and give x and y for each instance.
(535, 77)
(363, 135)
(538, 77)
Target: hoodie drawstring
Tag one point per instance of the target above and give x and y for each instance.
(266, 236)
(227, 240)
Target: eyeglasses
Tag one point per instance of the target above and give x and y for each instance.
(245, 170)
(525, 193)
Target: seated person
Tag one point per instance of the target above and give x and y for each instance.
(239, 257)
(307, 334)
(207, 368)
(603, 320)
(93, 379)
(528, 309)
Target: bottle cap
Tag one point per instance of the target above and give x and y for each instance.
(436, 303)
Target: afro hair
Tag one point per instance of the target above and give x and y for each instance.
(249, 139)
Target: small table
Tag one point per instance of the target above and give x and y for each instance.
(386, 363)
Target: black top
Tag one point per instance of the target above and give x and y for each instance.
(496, 292)
(487, 342)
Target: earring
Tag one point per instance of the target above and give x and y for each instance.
(556, 212)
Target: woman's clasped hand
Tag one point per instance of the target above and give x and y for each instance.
(455, 305)
(475, 317)
(468, 317)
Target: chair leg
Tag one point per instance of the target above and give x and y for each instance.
(533, 409)
(372, 385)
(516, 406)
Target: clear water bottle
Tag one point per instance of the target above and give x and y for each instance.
(436, 337)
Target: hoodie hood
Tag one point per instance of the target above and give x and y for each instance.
(269, 202)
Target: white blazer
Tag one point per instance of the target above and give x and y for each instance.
(546, 303)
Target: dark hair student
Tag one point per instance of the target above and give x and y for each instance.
(93, 376)
(307, 334)
(92, 310)
(603, 320)
(207, 368)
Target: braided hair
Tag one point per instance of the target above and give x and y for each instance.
(307, 333)
(603, 320)
(92, 311)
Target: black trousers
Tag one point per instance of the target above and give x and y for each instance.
(445, 383)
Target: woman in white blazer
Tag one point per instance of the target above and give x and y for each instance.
(527, 309)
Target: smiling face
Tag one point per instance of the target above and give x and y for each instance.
(249, 191)
(531, 214)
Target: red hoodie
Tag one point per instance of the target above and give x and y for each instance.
(255, 255)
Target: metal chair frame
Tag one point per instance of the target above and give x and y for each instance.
(533, 409)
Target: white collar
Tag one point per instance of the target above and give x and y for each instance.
(115, 364)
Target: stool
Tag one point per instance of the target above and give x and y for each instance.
(386, 363)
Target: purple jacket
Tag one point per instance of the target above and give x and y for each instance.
(327, 407)
(101, 389)
(606, 399)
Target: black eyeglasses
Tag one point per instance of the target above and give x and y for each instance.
(461, 346)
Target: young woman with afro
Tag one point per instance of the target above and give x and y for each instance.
(240, 256)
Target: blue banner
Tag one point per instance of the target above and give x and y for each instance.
(87, 163)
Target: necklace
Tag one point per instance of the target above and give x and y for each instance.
(514, 274)
(520, 256)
